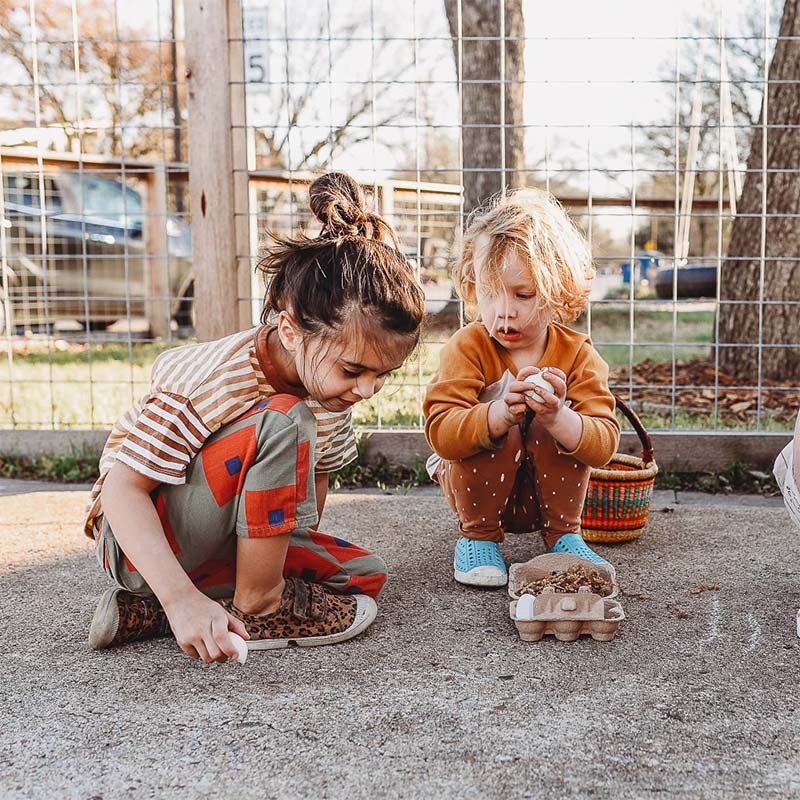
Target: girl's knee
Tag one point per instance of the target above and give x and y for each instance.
(378, 566)
(373, 577)
(371, 585)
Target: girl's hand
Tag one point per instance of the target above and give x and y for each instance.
(201, 627)
(563, 424)
(504, 414)
(547, 411)
(510, 410)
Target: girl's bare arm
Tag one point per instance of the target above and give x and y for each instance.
(321, 481)
(199, 624)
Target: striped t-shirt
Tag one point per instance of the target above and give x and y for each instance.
(194, 391)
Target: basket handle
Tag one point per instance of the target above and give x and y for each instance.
(648, 456)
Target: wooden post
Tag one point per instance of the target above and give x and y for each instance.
(156, 282)
(217, 163)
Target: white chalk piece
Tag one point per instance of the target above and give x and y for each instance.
(525, 607)
(539, 380)
(240, 645)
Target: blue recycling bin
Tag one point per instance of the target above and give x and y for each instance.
(643, 264)
(626, 271)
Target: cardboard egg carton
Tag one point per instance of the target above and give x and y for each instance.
(567, 616)
(542, 566)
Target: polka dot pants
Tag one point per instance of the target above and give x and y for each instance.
(516, 488)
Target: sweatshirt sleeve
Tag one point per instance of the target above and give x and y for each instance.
(587, 388)
(456, 424)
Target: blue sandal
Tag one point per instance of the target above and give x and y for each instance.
(479, 563)
(574, 544)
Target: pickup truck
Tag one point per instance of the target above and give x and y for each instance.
(94, 268)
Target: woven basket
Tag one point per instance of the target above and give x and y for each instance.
(618, 500)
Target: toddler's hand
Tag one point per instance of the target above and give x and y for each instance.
(547, 411)
(503, 417)
(510, 410)
(201, 627)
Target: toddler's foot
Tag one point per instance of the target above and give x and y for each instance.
(479, 563)
(309, 615)
(574, 544)
(123, 617)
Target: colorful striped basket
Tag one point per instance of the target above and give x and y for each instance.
(618, 501)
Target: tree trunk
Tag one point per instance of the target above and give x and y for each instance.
(741, 271)
(480, 109)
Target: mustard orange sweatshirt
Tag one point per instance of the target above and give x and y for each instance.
(457, 423)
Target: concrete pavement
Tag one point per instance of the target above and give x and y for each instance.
(697, 697)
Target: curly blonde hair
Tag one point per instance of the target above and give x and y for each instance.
(533, 224)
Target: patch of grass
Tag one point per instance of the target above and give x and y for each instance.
(691, 331)
(138, 354)
(399, 403)
(737, 479)
(79, 388)
(381, 475)
(390, 478)
(74, 388)
(688, 421)
(77, 468)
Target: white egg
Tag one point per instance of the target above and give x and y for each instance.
(240, 645)
(539, 380)
(525, 607)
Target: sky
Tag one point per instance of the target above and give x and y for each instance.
(592, 67)
(593, 70)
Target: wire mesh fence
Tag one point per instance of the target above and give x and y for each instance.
(96, 239)
(666, 130)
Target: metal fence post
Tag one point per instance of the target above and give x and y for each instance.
(214, 76)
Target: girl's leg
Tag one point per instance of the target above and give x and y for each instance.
(252, 479)
(479, 491)
(211, 558)
(478, 488)
(247, 490)
(259, 573)
(561, 484)
(337, 564)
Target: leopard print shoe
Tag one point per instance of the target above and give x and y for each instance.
(309, 616)
(122, 617)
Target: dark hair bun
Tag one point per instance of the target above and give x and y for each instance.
(355, 263)
(338, 203)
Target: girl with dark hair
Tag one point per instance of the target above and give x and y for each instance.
(211, 486)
